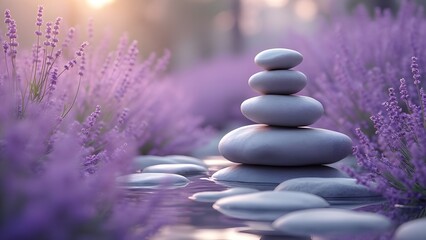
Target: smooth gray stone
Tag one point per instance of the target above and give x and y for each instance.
(278, 146)
(152, 180)
(183, 169)
(278, 58)
(216, 163)
(267, 177)
(186, 160)
(214, 196)
(265, 229)
(282, 110)
(412, 230)
(144, 161)
(281, 82)
(332, 222)
(334, 190)
(141, 162)
(267, 205)
(269, 237)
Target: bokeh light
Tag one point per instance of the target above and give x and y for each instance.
(306, 9)
(99, 3)
(276, 3)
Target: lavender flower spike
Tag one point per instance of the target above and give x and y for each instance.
(393, 161)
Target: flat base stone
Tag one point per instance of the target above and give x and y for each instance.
(284, 146)
(267, 177)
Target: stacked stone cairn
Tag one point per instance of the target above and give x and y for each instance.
(282, 143)
(282, 136)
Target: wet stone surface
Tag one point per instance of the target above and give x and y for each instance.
(192, 220)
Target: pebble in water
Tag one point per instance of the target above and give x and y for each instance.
(186, 159)
(412, 230)
(267, 205)
(268, 177)
(178, 168)
(211, 196)
(334, 190)
(332, 223)
(152, 180)
(145, 161)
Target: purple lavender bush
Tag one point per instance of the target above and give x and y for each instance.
(149, 107)
(394, 160)
(218, 87)
(352, 60)
(69, 127)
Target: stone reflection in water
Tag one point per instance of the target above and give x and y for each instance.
(398, 213)
(283, 238)
(213, 196)
(197, 220)
(191, 220)
(265, 230)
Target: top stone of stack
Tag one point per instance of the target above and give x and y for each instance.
(278, 59)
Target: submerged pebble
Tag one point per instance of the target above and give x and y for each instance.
(178, 168)
(152, 180)
(213, 196)
(332, 223)
(412, 230)
(268, 177)
(267, 205)
(144, 161)
(334, 190)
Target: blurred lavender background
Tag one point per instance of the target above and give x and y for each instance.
(354, 51)
(213, 42)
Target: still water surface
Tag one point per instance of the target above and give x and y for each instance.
(190, 220)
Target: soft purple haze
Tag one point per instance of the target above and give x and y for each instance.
(73, 117)
(352, 60)
(218, 87)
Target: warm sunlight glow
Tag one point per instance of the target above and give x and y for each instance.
(99, 3)
(276, 3)
(306, 9)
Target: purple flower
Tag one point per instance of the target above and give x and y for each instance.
(351, 66)
(393, 160)
(415, 70)
(11, 35)
(62, 147)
